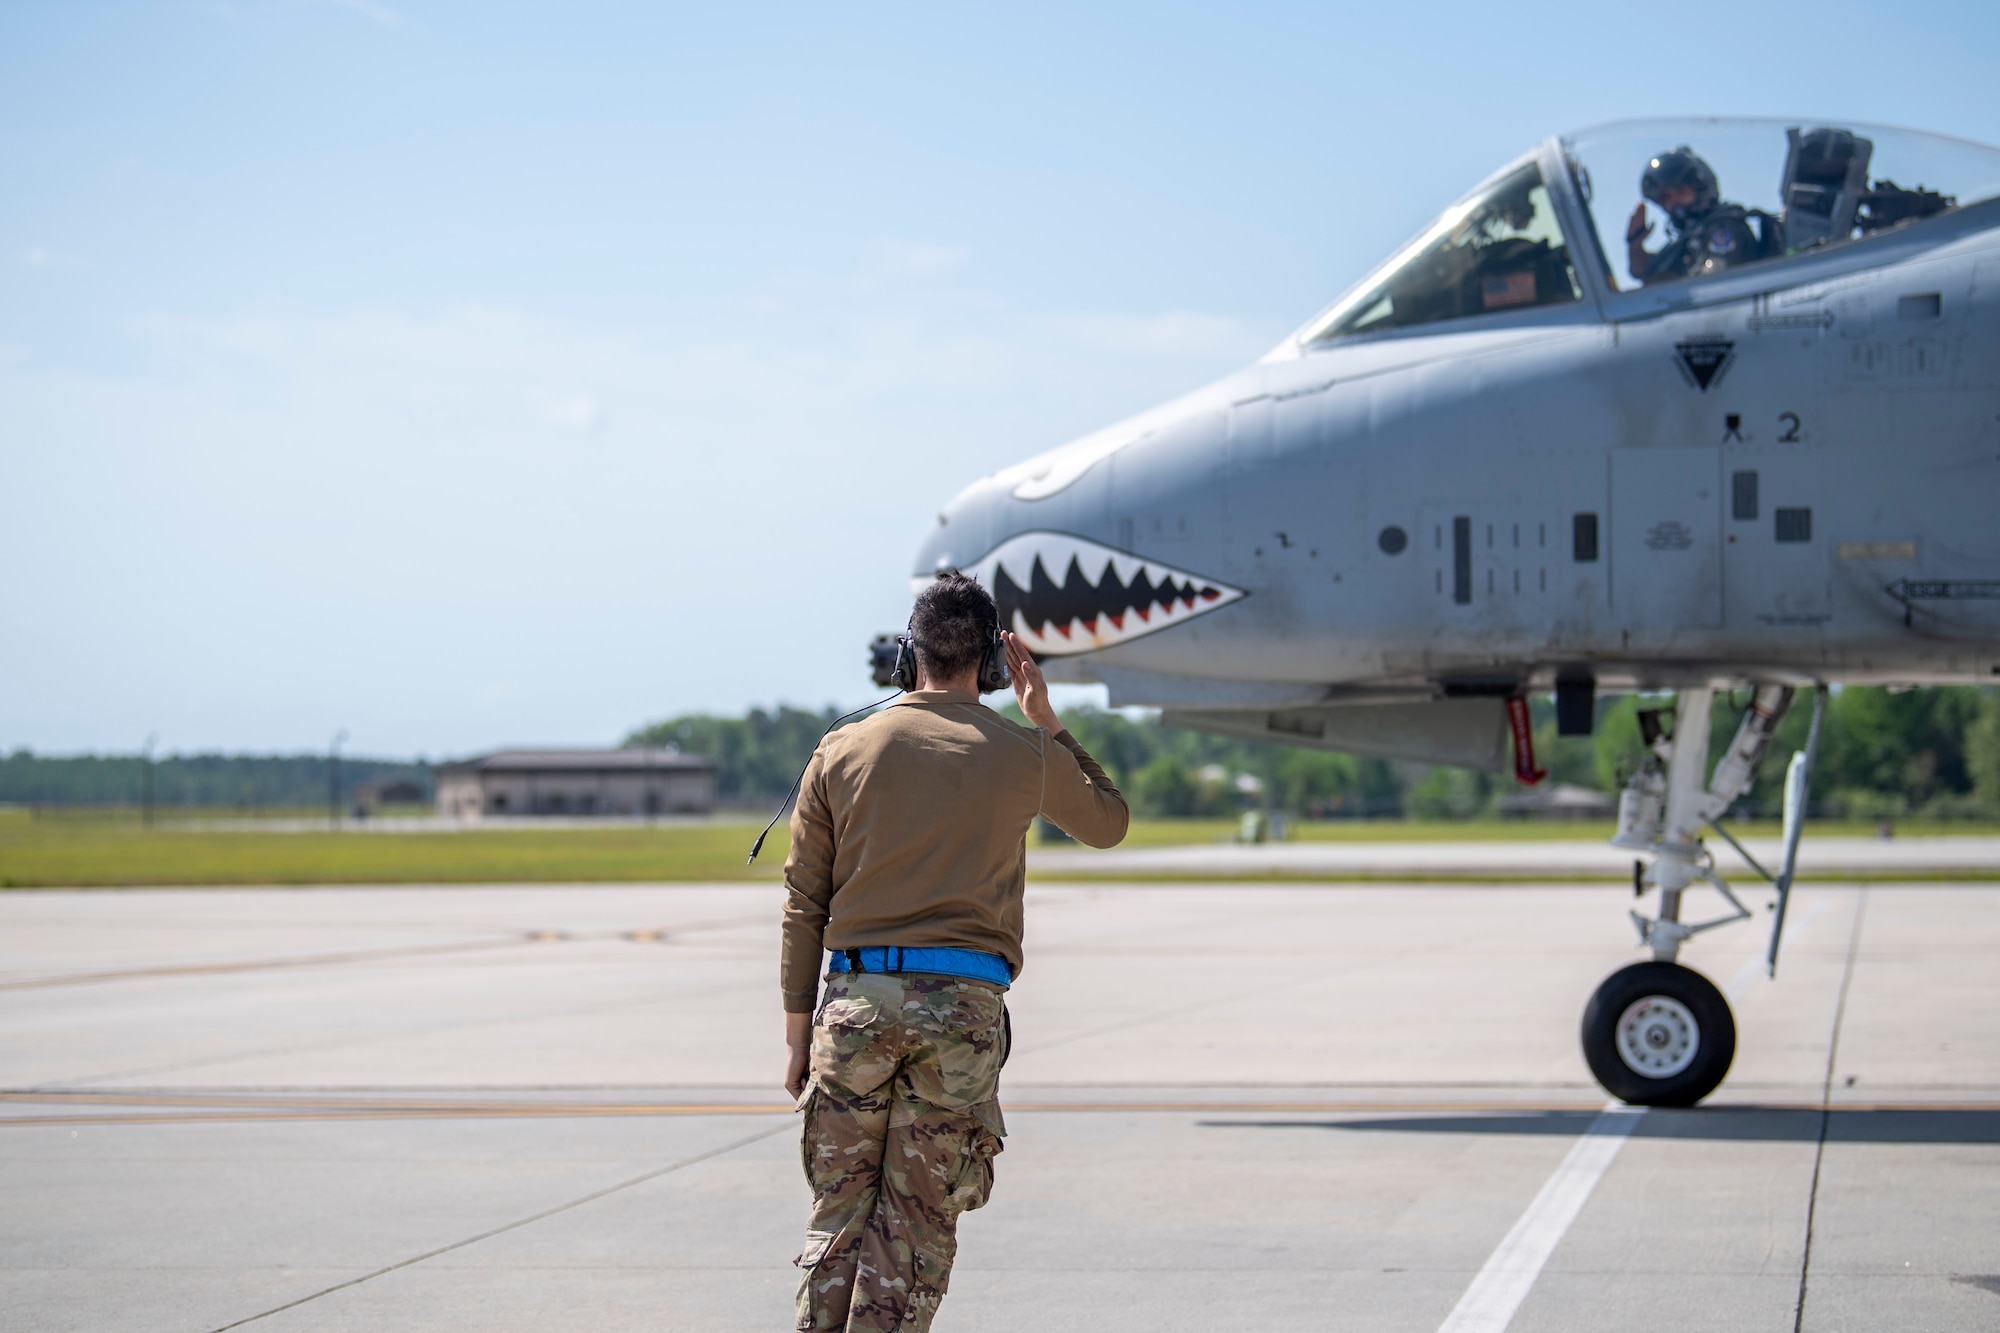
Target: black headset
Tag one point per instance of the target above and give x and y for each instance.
(992, 663)
(992, 676)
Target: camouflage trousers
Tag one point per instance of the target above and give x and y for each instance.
(902, 1123)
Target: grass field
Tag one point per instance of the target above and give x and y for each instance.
(74, 852)
(78, 849)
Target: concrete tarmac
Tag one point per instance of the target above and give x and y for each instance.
(1231, 1107)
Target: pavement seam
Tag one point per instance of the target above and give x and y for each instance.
(176, 1109)
(1826, 1106)
(592, 1197)
(348, 1042)
(510, 940)
(265, 964)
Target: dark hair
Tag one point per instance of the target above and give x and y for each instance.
(952, 622)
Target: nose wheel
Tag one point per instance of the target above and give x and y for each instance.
(1658, 1034)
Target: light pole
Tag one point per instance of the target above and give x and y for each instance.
(333, 780)
(146, 783)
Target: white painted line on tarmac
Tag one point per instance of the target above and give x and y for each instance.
(1746, 976)
(1752, 972)
(1489, 1304)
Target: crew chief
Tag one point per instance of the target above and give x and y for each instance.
(909, 849)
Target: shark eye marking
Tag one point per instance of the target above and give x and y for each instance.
(1064, 594)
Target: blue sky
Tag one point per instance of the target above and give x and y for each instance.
(465, 374)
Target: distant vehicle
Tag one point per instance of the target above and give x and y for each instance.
(1684, 405)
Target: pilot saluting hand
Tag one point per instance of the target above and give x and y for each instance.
(909, 851)
(1639, 228)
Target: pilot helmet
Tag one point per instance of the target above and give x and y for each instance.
(1677, 167)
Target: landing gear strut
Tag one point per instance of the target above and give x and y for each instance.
(1658, 1033)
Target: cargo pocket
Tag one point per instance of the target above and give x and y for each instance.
(817, 1244)
(929, 1280)
(808, 1104)
(971, 1182)
(815, 1308)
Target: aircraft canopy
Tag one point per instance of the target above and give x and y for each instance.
(1500, 248)
(1769, 190)
(1821, 182)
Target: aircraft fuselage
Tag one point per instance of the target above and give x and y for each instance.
(1792, 475)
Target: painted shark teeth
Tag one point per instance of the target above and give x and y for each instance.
(1063, 594)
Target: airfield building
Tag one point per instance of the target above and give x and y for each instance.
(1560, 800)
(576, 783)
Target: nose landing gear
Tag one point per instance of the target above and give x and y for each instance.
(1658, 1033)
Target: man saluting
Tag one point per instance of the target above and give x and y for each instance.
(909, 849)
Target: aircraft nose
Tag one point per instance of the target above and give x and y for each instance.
(1064, 575)
(935, 553)
(954, 541)
(961, 535)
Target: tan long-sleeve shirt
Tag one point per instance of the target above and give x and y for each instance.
(911, 829)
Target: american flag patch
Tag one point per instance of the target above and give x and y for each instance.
(1514, 289)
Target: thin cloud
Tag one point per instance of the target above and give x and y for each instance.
(577, 412)
(901, 258)
(446, 487)
(371, 10)
(367, 9)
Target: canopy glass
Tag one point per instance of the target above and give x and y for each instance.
(1781, 188)
(1667, 201)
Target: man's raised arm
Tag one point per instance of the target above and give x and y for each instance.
(1080, 798)
(1075, 792)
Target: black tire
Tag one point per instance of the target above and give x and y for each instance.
(1687, 1034)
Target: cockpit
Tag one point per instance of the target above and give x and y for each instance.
(1645, 204)
(1500, 249)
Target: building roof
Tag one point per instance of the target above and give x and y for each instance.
(392, 782)
(1560, 797)
(635, 759)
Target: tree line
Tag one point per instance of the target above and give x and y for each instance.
(1931, 752)
(210, 781)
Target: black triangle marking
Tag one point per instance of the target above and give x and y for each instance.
(1704, 361)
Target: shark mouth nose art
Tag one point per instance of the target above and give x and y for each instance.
(1064, 594)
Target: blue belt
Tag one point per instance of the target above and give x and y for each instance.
(968, 963)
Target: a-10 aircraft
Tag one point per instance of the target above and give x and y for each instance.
(1677, 405)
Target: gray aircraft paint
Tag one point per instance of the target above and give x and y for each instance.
(1860, 383)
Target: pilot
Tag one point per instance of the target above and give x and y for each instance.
(1707, 234)
(907, 860)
